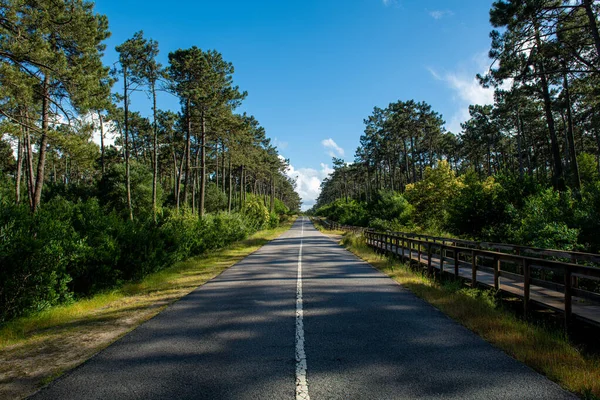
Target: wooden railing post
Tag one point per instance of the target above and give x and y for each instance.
(473, 269)
(526, 286)
(403, 246)
(568, 298)
(419, 253)
(456, 268)
(429, 266)
(496, 272)
(441, 259)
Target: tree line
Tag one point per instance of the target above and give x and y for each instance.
(539, 138)
(77, 217)
(56, 92)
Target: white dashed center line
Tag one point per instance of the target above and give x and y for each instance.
(301, 381)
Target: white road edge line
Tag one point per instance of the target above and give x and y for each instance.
(301, 381)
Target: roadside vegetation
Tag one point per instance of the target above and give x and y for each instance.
(36, 349)
(99, 188)
(544, 349)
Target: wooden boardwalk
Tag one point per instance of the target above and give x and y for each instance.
(583, 309)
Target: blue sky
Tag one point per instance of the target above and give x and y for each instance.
(314, 69)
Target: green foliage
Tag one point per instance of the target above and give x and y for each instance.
(215, 199)
(78, 248)
(478, 208)
(281, 208)
(588, 217)
(432, 195)
(390, 206)
(256, 211)
(351, 212)
(545, 221)
(588, 168)
(114, 193)
(34, 253)
(273, 220)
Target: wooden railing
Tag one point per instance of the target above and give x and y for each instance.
(529, 270)
(568, 273)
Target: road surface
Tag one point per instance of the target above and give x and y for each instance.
(301, 318)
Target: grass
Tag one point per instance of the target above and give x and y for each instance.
(545, 350)
(35, 350)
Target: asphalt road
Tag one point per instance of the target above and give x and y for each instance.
(365, 337)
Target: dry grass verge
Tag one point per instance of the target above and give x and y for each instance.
(37, 349)
(548, 352)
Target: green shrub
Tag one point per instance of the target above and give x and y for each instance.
(349, 212)
(545, 221)
(74, 249)
(392, 207)
(256, 212)
(478, 209)
(113, 192)
(215, 199)
(35, 251)
(431, 196)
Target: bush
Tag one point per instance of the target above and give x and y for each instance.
(545, 221)
(35, 251)
(431, 196)
(349, 212)
(390, 206)
(74, 249)
(113, 191)
(478, 209)
(215, 199)
(256, 212)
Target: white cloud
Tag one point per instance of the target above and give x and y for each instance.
(308, 182)
(389, 2)
(466, 87)
(332, 148)
(439, 14)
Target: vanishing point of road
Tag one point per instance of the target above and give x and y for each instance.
(301, 318)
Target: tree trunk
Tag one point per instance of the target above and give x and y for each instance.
(102, 166)
(39, 182)
(230, 186)
(127, 172)
(175, 179)
(30, 176)
(187, 153)
(272, 207)
(181, 165)
(19, 168)
(571, 139)
(557, 176)
(242, 188)
(217, 163)
(202, 164)
(593, 24)
(412, 159)
(519, 143)
(155, 151)
(223, 164)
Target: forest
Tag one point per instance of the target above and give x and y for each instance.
(78, 217)
(523, 170)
